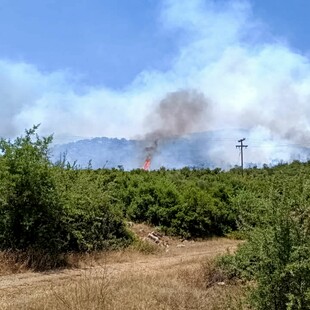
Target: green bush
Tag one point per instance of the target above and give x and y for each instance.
(277, 253)
(89, 218)
(30, 210)
(52, 209)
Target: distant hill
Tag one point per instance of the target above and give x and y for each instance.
(191, 151)
(207, 149)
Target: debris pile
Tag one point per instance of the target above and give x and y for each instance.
(158, 239)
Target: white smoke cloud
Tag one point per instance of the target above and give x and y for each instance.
(257, 84)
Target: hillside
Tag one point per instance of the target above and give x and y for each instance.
(130, 154)
(203, 150)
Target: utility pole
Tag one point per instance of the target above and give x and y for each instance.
(241, 146)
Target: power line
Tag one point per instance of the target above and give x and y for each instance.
(241, 146)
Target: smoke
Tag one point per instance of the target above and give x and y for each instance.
(179, 113)
(253, 81)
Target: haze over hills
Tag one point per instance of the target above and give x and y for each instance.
(206, 149)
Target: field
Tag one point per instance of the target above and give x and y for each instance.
(56, 218)
(168, 278)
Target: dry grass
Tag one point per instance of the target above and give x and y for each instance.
(9, 263)
(13, 262)
(144, 276)
(20, 262)
(185, 285)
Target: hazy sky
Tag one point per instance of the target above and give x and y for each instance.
(91, 68)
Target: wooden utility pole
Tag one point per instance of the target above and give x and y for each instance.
(241, 146)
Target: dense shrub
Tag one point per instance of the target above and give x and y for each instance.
(89, 218)
(277, 253)
(30, 210)
(57, 208)
(52, 209)
(180, 206)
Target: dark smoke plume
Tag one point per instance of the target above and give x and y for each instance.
(179, 113)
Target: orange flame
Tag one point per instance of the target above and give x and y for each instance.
(147, 164)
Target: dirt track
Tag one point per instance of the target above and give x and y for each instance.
(17, 289)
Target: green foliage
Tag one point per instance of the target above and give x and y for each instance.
(277, 253)
(185, 203)
(89, 218)
(30, 209)
(52, 209)
(56, 208)
(283, 269)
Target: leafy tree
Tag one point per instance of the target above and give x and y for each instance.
(277, 253)
(31, 211)
(51, 208)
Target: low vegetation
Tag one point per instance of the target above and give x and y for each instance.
(48, 210)
(181, 278)
(52, 210)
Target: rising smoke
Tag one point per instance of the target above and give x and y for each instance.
(179, 113)
(257, 84)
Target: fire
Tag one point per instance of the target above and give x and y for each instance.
(147, 164)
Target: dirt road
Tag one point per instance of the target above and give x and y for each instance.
(18, 289)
